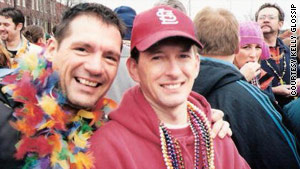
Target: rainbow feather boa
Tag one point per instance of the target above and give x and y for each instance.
(51, 136)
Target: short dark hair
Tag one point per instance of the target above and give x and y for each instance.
(15, 14)
(101, 11)
(269, 5)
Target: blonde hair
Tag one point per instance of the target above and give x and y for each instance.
(218, 31)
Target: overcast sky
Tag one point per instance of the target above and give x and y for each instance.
(243, 9)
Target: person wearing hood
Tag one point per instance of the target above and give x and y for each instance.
(252, 50)
(160, 123)
(258, 132)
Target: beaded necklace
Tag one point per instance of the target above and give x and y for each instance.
(276, 73)
(255, 82)
(203, 142)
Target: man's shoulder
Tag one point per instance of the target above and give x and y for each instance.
(111, 129)
(238, 92)
(281, 44)
(231, 88)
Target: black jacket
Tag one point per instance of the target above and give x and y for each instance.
(258, 132)
(8, 135)
(286, 59)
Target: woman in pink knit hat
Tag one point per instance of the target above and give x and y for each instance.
(252, 50)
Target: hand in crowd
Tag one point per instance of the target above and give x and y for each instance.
(219, 126)
(283, 90)
(250, 70)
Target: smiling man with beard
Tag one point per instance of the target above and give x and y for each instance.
(11, 25)
(271, 17)
(85, 54)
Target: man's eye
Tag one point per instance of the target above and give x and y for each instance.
(155, 58)
(80, 49)
(112, 58)
(262, 17)
(184, 56)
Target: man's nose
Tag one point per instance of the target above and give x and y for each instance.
(266, 19)
(1, 27)
(95, 65)
(173, 68)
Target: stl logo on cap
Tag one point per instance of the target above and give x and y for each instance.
(158, 23)
(166, 16)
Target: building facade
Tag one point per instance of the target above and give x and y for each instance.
(45, 13)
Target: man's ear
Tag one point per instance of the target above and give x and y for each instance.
(280, 23)
(132, 67)
(51, 49)
(19, 26)
(197, 65)
(41, 40)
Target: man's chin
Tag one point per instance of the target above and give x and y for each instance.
(79, 105)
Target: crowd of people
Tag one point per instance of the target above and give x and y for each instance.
(156, 89)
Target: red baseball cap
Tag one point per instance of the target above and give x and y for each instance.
(159, 23)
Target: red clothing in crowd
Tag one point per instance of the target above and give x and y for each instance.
(131, 139)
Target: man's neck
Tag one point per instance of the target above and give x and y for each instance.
(227, 58)
(70, 109)
(14, 44)
(270, 39)
(175, 116)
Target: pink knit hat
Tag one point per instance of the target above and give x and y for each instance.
(251, 33)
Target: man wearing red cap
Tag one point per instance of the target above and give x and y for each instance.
(160, 123)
